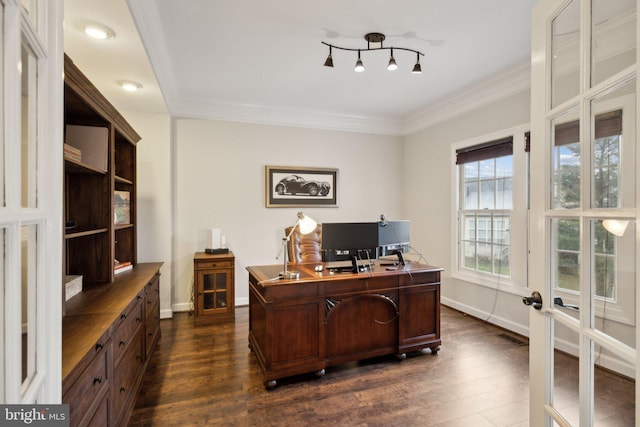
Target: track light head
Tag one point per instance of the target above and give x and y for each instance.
(417, 69)
(392, 63)
(329, 61)
(359, 65)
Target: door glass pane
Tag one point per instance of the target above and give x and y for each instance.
(566, 379)
(613, 35)
(29, 298)
(613, 148)
(613, 275)
(29, 126)
(565, 254)
(565, 54)
(614, 397)
(566, 160)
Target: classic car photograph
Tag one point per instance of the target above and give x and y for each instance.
(295, 184)
(288, 186)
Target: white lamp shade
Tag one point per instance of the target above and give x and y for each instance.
(306, 224)
(616, 227)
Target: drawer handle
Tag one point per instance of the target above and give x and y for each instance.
(122, 389)
(99, 346)
(139, 297)
(148, 302)
(123, 316)
(97, 380)
(122, 343)
(138, 319)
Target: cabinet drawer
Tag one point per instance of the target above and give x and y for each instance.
(126, 373)
(207, 265)
(88, 388)
(152, 324)
(129, 321)
(152, 290)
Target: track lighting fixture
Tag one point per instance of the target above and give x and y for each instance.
(374, 38)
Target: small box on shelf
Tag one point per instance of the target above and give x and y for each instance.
(72, 286)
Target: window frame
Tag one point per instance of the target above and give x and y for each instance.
(518, 236)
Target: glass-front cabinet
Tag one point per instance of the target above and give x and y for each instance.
(213, 287)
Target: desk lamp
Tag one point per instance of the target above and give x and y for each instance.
(307, 225)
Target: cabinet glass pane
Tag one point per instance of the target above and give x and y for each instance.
(208, 301)
(613, 35)
(613, 148)
(221, 299)
(29, 127)
(208, 281)
(221, 281)
(565, 54)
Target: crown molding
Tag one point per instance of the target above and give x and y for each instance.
(147, 21)
(503, 84)
(280, 116)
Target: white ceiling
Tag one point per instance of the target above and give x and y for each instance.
(262, 61)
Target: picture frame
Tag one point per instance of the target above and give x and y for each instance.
(291, 186)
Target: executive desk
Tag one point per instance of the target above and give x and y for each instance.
(324, 319)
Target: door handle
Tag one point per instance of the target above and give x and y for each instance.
(558, 301)
(535, 300)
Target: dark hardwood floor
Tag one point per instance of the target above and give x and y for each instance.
(206, 375)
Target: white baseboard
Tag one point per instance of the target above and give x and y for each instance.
(488, 317)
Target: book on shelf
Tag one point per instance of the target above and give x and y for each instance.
(119, 267)
(72, 153)
(122, 206)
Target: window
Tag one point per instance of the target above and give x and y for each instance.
(491, 176)
(487, 172)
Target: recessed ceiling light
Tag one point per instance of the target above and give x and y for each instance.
(129, 85)
(98, 31)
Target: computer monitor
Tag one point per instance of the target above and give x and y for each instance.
(343, 240)
(393, 236)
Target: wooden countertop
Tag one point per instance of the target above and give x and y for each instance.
(91, 313)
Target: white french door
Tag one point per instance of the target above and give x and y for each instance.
(583, 230)
(31, 201)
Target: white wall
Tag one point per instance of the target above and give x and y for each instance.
(220, 170)
(154, 197)
(428, 198)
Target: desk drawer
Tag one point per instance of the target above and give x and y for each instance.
(360, 284)
(127, 372)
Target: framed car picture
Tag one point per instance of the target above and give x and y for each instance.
(288, 186)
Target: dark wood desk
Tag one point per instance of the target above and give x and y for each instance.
(324, 319)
